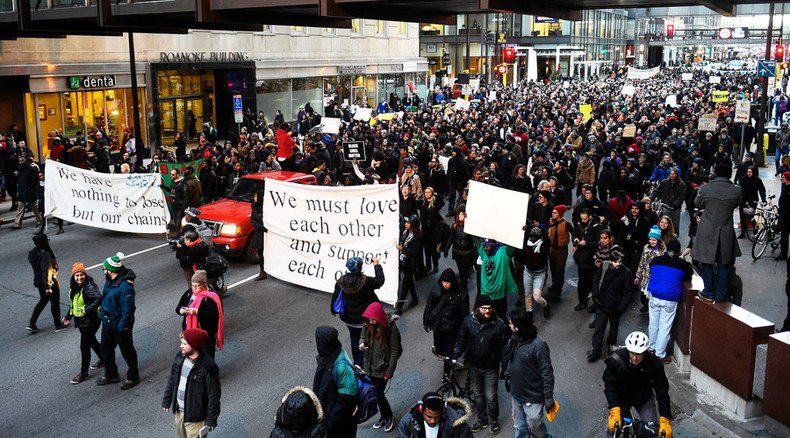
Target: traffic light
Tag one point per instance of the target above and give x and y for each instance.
(670, 31)
(509, 55)
(779, 54)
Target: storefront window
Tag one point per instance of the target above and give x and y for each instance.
(391, 83)
(274, 95)
(356, 26)
(307, 90)
(336, 88)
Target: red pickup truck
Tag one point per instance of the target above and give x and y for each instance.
(229, 218)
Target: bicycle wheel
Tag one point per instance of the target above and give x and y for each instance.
(761, 242)
(759, 223)
(446, 390)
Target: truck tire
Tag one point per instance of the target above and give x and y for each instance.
(252, 254)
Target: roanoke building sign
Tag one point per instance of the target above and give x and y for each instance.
(203, 56)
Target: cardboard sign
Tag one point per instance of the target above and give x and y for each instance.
(743, 111)
(720, 96)
(708, 122)
(496, 213)
(629, 131)
(354, 151)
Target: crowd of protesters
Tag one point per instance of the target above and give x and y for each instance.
(608, 189)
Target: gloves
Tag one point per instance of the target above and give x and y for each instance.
(614, 418)
(551, 410)
(387, 376)
(426, 329)
(664, 427)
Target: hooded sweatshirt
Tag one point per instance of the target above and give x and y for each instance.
(334, 383)
(359, 291)
(446, 309)
(496, 279)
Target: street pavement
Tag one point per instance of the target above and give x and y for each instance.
(269, 345)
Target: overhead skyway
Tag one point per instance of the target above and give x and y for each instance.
(56, 18)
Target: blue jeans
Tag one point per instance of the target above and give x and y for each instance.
(528, 420)
(715, 277)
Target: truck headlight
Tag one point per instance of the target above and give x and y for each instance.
(232, 230)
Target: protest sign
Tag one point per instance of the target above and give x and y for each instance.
(363, 114)
(354, 150)
(720, 96)
(671, 100)
(743, 110)
(628, 90)
(129, 202)
(586, 110)
(496, 213)
(444, 161)
(714, 79)
(708, 122)
(686, 76)
(634, 73)
(629, 131)
(313, 230)
(331, 125)
(164, 171)
(461, 104)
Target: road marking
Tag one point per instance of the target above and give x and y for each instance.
(131, 255)
(239, 283)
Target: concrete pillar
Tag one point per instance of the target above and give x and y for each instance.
(556, 58)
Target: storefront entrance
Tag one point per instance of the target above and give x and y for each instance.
(183, 114)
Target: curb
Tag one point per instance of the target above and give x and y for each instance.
(10, 219)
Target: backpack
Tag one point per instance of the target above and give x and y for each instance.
(367, 402)
(216, 264)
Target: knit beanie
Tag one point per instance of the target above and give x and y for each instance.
(654, 233)
(561, 209)
(199, 277)
(196, 338)
(113, 263)
(78, 267)
(484, 300)
(786, 175)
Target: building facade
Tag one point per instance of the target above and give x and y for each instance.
(79, 83)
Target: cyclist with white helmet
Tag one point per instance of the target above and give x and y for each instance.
(634, 378)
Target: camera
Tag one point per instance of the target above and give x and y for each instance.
(176, 241)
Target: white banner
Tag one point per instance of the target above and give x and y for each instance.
(634, 73)
(496, 213)
(715, 79)
(313, 230)
(461, 104)
(131, 203)
(743, 110)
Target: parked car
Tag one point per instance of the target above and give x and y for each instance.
(229, 218)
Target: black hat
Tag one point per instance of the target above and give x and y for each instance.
(484, 300)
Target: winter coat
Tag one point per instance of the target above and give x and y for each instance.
(633, 232)
(178, 195)
(117, 307)
(299, 415)
(335, 385)
(559, 233)
(528, 364)
(667, 274)
(454, 422)
(27, 182)
(285, 144)
(457, 169)
(752, 189)
(202, 393)
(672, 194)
(583, 256)
(661, 172)
(614, 292)
(208, 314)
(430, 216)
(194, 191)
(716, 229)
(359, 291)
(462, 243)
(193, 257)
(446, 309)
(585, 172)
(594, 206)
(631, 385)
(535, 253)
(381, 360)
(643, 271)
(409, 256)
(92, 299)
(496, 278)
(44, 267)
(482, 342)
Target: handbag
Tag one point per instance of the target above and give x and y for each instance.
(339, 305)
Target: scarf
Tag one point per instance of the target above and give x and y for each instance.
(192, 320)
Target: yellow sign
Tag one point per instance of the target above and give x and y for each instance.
(721, 96)
(629, 131)
(586, 110)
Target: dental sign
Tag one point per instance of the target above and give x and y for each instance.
(91, 82)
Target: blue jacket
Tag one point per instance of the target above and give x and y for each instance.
(667, 274)
(661, 172)
(117, 307)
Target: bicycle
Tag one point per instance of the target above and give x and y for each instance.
(769, 235)
(636, 429)
(450, 385)
(759, 216)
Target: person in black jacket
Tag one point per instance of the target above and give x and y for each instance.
(199, 404)
(26, 187)
(539, 212)
(84, 302)
(535, 258)
(527, 369)
(633, 234)
(585, 243)
(299, 415)
(752, 192)
(432, 231)
(457, 176)
(256, 217)
(445, 310)
(449, 418)
(191, 254)
(45, 270)
(410, 248)
(597, 209)
(335, 385)
(463, 247)
(178, 197)
(483, 341)
(205, 304)
(437, 178)
(634, 378)
(358, 291)
(612, 290)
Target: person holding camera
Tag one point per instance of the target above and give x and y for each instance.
(191, 252)
(528, 376)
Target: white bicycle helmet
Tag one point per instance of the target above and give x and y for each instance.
(637, 342)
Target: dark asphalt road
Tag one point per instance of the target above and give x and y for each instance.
(269, 346)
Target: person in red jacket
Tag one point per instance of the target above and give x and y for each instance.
(285, 146)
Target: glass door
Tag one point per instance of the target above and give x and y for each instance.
(193, 118)
(169, 120)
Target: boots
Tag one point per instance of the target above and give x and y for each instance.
(262, 276)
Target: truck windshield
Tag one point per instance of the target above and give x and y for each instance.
(245, 189)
